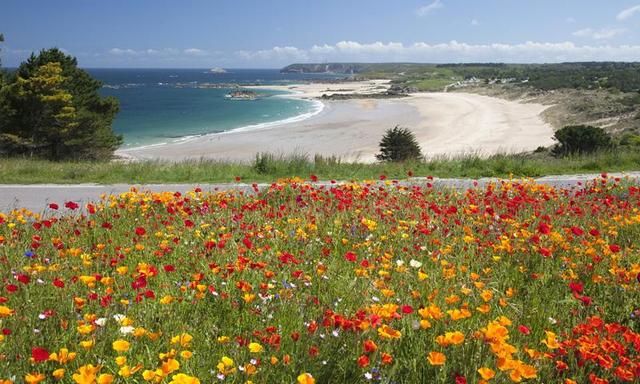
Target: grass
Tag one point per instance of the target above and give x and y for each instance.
(270, 167)
(357, 283)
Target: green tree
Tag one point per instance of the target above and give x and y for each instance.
(52, 109)
(49, 114)
(581, 139)
(399, 144)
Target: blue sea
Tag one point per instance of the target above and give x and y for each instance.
(166, 105)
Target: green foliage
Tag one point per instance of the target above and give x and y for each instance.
(399, 144)
(581, 139)
(630, 139)
(50, 108)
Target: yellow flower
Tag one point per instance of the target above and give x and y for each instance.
(148, 375)
(86, 374)
(450, 338)
(386, 332)
(105, 379)
(551, 342)
(58, 373)
(171, 365)
(183, 339)
(120, 345)
(255, 348)
(85, 329)
(5, 311)
(226, 366)
(306, 378)
(121, 360)
(181, 378)
(436, 358)
(486, 373)
(87, 344)
(186, 354)
(63, 356)
(34, 378)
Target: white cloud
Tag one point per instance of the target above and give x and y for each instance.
(120, 52)
(475, 22)
(427, 9)
(629, 12)
(599, 34)
(452, 51)
(194, 52)
(274, 54)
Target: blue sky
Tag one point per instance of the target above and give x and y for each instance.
(274, 33)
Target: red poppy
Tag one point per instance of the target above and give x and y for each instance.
(39, 354)
(350, 256)
(524, 330)
(71, 205)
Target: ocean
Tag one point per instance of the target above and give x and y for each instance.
(159, 106)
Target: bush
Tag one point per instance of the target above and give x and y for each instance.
(399, 144)
(581, 139)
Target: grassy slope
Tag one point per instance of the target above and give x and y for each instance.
(36, 171)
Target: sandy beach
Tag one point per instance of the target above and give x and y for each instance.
(444, 124)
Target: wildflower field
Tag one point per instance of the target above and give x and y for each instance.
(300, 283)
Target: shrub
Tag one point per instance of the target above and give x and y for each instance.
(630, 139)
(581, 139)
(399, 144)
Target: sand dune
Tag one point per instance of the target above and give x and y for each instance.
(444, 123)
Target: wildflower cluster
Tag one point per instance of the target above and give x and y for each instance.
(363, 282)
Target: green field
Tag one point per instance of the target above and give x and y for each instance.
(269, 168)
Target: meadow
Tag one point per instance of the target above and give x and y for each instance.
(268, 167)
(353, 283)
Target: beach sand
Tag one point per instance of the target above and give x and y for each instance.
(444, 124)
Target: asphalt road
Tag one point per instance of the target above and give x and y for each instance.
(37, 197)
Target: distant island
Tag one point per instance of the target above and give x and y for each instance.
(218, 70)
(243, 95)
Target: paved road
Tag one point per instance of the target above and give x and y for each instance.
(36, 197)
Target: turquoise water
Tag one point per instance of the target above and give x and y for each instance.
(162, 106)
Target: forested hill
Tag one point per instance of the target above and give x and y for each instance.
(349, 68)
(583, 75)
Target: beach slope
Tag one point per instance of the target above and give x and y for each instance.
(444, 123)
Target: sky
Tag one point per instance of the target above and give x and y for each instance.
(275, 33)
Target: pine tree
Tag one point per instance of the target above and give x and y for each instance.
(399, 144)
(52, 119)
(52, 109)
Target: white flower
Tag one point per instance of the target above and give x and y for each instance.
(368, 376)
(399, 263)
(101, 321)
(119, 317)
(126, 330)
(415, 263)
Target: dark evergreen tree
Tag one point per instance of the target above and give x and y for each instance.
(581, 139)
(399, 144)
(44, 87)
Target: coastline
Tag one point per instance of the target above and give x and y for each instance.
(445, 124)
